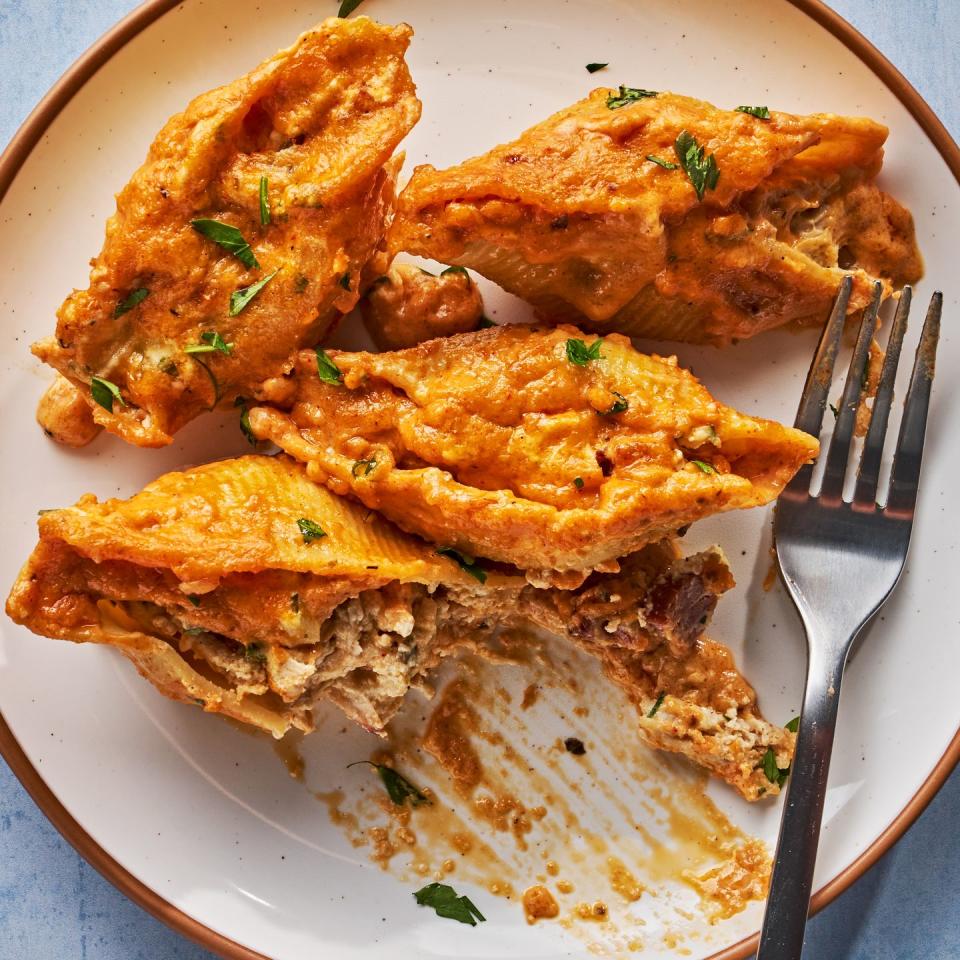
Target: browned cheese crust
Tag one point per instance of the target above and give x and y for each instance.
(576, 218)
(320, 121)
(495, 443)
(204, 581)
(406, 306)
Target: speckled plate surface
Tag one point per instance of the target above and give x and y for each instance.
(202, 822)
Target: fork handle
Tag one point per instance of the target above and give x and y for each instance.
(788, 901)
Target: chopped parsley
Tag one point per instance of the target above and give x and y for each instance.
(657, 705)
(240, 298)
(105, 392)
(447, 903)
(264, 202)
(771, 771)
(310, 529)
(618, 406)
(130, 301)
(485, 323)
(301, 283)
(344, 281)
(398, 787)
(194, 631)
(362, 467)
(834, 410)
(578, 482)
(241, 402)
(327, 370)
(594, 67)
(700, 166)
(449, 270)
(255, 653)
(660, 162)
(347, 7)
(579, 354)
(194, 599)
(212, 341)
(228, 237)
(703, 467)
(793, 726)
(626, 96)
(761, 113)
(465, 562)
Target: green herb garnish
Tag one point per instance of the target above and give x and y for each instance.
(628, 95)
(301, 283)
(703, 467)
(105, 392)
(700, 166)
(194, 599)
(660, 162)
(255, 653)
(485, 323)
(449, 270)
(657, 705)
(228, 237)
(771, 771)
(793, 726)
(241, 402)
(130, 301)
(240, 298)
(594, 67)
(348, 6)
(619, 405)
(194, 631)
(445, 900)
(761, 113)
(578, 482)
(328, 371)
(834, 410)
(399, 788)
(363, 466)
(212, 341)
(579, 354)
(264, 202)
(310, 529)
(344, 281)
(465, 562)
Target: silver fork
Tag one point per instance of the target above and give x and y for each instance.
(840, 561)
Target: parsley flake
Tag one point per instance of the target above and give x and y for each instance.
(310, 529)
(449, 270)
(254, 653)
(212, 341)
(660, 162)
(704, 467)
(130, 301)
(761, 113)
(228, 237)
(465, 562)
(347, 7)
(344, 281)
(700, 166)
(578, 482)
(594, 67)
(264, 202)
(579, 354)
(105, 392)
(793, 726)
(657, 705)
(327, 370)
(447, 903)
(362, 466)
(628, 95)
(194, 599)
(618, 406)
(834, 410)
(770, 769)
(239, 299)
(485, 323)
(398, 787)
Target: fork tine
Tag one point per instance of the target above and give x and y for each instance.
(839, 450)
(905, 474)
(869, 473)
(813, 400)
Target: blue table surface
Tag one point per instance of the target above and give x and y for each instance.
(54, 906)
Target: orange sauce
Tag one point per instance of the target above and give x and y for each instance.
(539, 904)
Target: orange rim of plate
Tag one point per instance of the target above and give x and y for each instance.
(14, 157)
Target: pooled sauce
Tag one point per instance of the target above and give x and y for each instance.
(288, 750)
(626, 837)
(539, 904)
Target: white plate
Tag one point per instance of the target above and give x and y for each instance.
(202, 815)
